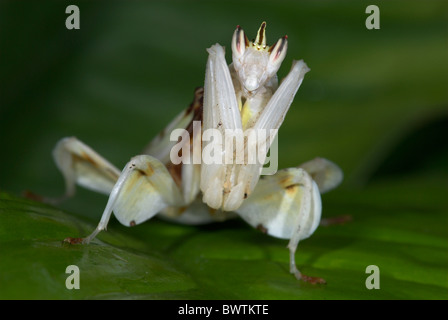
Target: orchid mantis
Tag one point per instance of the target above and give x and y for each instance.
(242, 96)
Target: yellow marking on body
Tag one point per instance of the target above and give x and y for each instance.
(89, 159)
(227, 186)
(246, 114)
(132, 182)
(148, 171)
(291, 189)
(84, 158)
(285, 181)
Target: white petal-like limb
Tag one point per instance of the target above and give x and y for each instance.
(144, 188)
(272, 118)
(221, 113)
(324, 172)
(220, 104)
(80, 164)
(286, 205)
(275, 111)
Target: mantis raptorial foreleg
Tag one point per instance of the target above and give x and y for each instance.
(253, 92)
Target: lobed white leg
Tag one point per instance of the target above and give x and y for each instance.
(144, 188)
(286, 205)
(80, 164)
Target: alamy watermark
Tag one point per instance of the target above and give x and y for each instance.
(373, 20)
(72, 21)
(72, 281)
(373, 280)
(226, 147)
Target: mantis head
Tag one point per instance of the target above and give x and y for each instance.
(254, 61)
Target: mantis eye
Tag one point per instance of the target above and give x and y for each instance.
(278, 51)
(239, 42)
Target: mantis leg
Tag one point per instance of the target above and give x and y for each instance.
(325, 173)
(140, 191)
(219, 185)
(80, 164)
(286, 205)
(144, 188)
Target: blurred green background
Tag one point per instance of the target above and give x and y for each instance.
(375, 102)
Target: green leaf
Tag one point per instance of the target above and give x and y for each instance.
(406, 239)
(35, 258)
